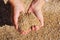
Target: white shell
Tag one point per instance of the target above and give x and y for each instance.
(46, 0)
(5, 1)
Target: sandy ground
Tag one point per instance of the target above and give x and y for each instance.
(50, 31)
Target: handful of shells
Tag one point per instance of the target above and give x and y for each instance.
(26, 20)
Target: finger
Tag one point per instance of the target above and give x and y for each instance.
(42, 23)
(15, 17)
(30, 10)
(37, 28)
(25, 32)
(33, 28)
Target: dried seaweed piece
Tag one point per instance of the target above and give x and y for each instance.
(26, 20)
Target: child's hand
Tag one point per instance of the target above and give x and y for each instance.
(36, 9)
(18, 7)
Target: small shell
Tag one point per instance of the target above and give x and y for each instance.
(5, 1)
(46, 0)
